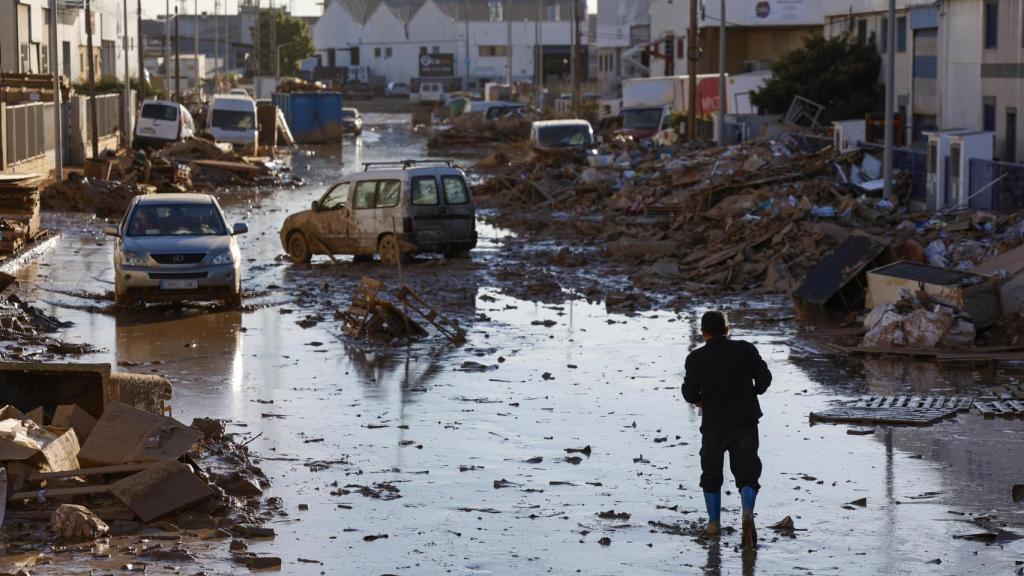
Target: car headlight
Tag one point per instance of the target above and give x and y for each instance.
(129, 259)
(223, 258)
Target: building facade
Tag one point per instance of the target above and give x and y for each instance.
(484, 38)
(622, 28)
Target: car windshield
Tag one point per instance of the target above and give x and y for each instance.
(233, 120)
(564, 136)
(348, 113)
(644, 118)
(176, 220)
(160, 112)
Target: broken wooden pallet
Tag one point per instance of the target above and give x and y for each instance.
(554, 191)
(1003, 408)
(449, 328)
(363, 299)
(895, 410)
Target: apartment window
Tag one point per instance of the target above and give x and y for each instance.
(354, 56)
(883, 34)
(44, 59)
(436, 49)
(988, 114)
(901, 34)
(387, 52)
(423, 50)
(500, 51)
(376, 52)
(65, 60)
(991, 23)
(862, 32)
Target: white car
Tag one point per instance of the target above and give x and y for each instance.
(233, 119)
(160, 122)
(397, 89)
(173, 247)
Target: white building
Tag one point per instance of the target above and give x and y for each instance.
(623, 28)
(25, 40)
(390, 38)
(757, 31)
(959, 63)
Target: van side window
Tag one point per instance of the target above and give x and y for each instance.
(424, 191)
(389, 193)
(454, 190)
(336, 198)
(366, 192)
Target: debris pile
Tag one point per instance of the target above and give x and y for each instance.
(288, 85)
(83, 474)
(474, 130)
(915, 322)
(19, 210)
(193, 165)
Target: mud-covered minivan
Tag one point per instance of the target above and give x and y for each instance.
(391, 209)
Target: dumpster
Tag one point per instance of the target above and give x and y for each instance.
(313, 117)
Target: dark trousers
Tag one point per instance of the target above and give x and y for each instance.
(741, 444)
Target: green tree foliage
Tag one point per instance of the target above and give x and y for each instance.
(289, 30)
(836, 73)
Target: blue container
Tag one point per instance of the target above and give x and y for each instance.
(313, 117)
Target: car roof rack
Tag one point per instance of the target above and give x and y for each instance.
(406, 164)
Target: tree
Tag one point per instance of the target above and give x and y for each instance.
(292, 32)
(839, 74)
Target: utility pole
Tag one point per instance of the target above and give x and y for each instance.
(127, 126)
(177, 59)
(507, 14)
(195, 50)
(890, 79)
(93, 125)
(465, 17)
(574, 65)
(58, 142)
(720, 118)
(216, 48)
(167, 44)
(692, 55)
(538, 54)
(273, 39)
(142, 57)
(256, 41)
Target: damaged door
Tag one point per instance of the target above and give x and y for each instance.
(331, 220)
(459, 213)
(428, 212)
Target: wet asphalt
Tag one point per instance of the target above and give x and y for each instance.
(472, 440)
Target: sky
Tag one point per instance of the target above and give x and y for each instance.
(153, 8)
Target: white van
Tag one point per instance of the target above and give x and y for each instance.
(432, 92)
(160, 122)
(233, 119)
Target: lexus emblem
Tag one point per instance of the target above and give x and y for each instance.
(178, 258)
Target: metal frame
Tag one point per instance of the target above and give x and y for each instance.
(406, 164)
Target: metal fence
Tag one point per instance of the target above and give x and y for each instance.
(810, 143)
(912, 162)
(995, 186)
(108, 113)
(29, 131)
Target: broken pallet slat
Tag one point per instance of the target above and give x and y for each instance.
(116, 469)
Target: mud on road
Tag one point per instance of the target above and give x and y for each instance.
(433, 459)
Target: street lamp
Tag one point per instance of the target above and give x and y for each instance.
(277, 59)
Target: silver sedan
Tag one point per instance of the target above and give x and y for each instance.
(173, 247)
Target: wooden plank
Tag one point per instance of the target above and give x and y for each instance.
(162, 489)
(1017, 405)
(986, 410)
(59, 492)
(126, 435)
(118, 469)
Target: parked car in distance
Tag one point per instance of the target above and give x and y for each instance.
(390, 209)
(494, 109)
(160, 122)
(351, 121)
(431, 92)
(240, 92)
(561, 134)
(232, 118)
(173, 247)
(397, 89)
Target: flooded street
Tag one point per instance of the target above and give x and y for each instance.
(458, 455)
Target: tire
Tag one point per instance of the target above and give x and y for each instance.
(362, 259)
(234, 302)
(298, 248)
(389, 251)
(122, 300)
(460, 254)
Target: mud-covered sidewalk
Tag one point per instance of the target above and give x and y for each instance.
(505, 455)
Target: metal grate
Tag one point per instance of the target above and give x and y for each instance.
(177, 275)
(928, 274)
(178, 258)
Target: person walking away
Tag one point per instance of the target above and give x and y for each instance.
(724, 377)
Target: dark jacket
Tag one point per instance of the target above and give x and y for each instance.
(727, 376)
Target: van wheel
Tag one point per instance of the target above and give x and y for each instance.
(460, 254)
(234, 302)
(298, 248)
(389, 251)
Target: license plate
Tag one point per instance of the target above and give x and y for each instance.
(179, 284)
(147, 130)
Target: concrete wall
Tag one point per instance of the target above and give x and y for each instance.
(1002, 77)
(960, 42)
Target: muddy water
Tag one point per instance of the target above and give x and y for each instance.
(438, 426)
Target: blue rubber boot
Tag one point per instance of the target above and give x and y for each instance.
(748, 497)
(713, 501)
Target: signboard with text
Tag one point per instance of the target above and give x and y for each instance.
(778, 11)
(437, 65)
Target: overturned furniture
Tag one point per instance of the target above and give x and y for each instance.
(380, 320)
(835, 285)
(28, 386)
